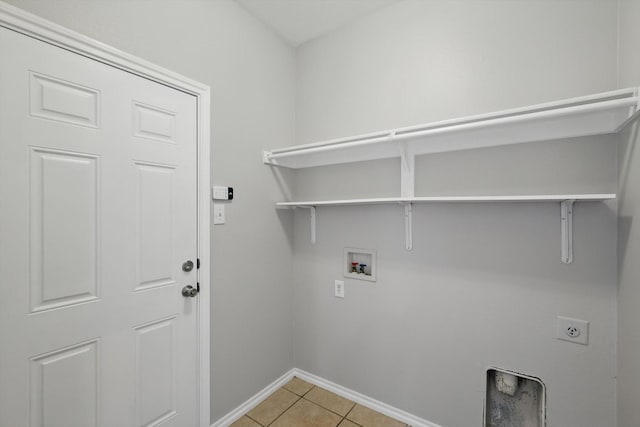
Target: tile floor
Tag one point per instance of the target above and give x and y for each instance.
(300, 404)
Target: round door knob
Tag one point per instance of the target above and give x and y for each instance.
(189, 291)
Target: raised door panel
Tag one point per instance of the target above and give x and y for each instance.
(155, 205)
(65, 228)
(65, 387)
(155, 372)
(154, 123)
(56, 99)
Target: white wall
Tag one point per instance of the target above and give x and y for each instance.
(628, 391)
(251, 74)
(484, 283)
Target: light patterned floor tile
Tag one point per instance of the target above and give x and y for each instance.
(307, 414)
(298, 386)
(245, 422)
(273, 406)
(369, 418)
(329, 400)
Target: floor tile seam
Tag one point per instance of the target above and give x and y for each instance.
(296, 393)
(352, 422)
(290, 391)
(350, 411)
(309, 391)
(361, 425)
(330, 410)
(285, 411)
(256, 421)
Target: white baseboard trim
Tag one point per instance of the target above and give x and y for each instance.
(253, 401)
(363, 400)
(354, 396)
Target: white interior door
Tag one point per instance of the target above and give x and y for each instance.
(98, 214)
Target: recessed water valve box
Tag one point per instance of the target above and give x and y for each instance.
(360, 264)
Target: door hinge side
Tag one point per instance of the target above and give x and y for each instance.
(198, 286)
(198, 263)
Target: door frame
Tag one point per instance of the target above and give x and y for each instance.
(33, 26)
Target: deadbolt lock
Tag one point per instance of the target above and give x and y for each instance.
(187, 266)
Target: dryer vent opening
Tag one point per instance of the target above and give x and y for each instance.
(514, 400)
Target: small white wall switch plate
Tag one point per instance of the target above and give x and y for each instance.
(339, 289)
(218, 214)
(573, 330)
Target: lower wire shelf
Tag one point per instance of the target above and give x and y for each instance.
(566, 210)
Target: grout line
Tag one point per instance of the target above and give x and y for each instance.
(301, 397)
(308, 391)
(285, 411)
(350, 411)
(303, 394)
(247, 415)
(351, 421)
(330, 410)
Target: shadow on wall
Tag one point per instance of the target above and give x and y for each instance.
(283, 180)
(627, 144)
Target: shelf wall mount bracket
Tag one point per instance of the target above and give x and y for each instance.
(312, 222)
(407, 189)
(566, 231)
(408, 226)
(266, 158)
(407, 171)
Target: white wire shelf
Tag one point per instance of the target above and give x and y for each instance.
(566, 202)
(597, 114)
(452, 199)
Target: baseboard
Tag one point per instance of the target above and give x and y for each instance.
(354, 396)
(363, 400)
(237, 413)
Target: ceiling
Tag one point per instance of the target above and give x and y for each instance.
(298, 21)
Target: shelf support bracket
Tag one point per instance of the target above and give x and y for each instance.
(407, 171)
(266, 158)
(312, 222)
(408, 226)
(566, 228)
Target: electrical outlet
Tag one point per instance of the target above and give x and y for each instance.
(573, 330)
(339, 289)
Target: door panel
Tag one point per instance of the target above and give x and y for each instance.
(155, 200)
(67, 378)
(55, 99)
(65, 228)
(155, 376)
(154, 123)
(98, 213)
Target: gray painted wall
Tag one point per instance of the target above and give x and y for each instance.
(484, 283)
(628, 391)
(251, 74)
